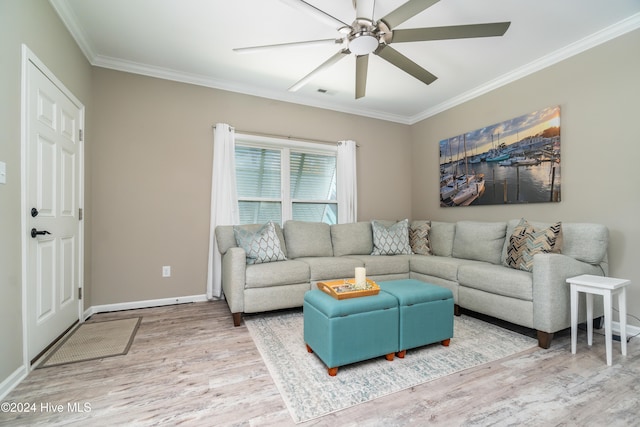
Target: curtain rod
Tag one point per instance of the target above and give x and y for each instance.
(290, 137)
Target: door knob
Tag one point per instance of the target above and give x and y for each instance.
(35, 232)
(34, 212)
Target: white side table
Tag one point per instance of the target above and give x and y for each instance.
(607, 287)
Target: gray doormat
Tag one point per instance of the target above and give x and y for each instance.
(94, 340)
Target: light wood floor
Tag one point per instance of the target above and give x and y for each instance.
(188, 365)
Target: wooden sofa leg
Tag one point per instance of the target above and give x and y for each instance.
(237, 318)
(456, 310)
(544, 339)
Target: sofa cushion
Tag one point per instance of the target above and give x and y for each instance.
(497, 279)
(327, 268)
(352, 239)
(438, 266)
(379, 265)
(585, 242)
(419, 237)
(262, 245)
(276, 274)
(391, 240)
(226, 238)
(481, 241)
(441, 237)
(525, 242)
(307, 239)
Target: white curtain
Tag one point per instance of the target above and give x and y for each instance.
(347, 185)
(224, 201)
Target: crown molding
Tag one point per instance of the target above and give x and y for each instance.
(70, 20)
(625, 26)
(206, 81)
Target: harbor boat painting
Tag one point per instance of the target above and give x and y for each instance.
(512, 162)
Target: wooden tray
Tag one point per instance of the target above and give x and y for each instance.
(342, 289)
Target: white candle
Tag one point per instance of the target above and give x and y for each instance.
(361, 276)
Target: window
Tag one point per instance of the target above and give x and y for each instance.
(279, 180)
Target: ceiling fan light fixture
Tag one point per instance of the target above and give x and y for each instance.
(363, 43)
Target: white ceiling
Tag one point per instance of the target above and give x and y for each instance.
(192, 41)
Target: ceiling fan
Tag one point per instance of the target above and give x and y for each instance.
(367, 35)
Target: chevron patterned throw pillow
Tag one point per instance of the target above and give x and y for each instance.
(419, 238)
(525, 242)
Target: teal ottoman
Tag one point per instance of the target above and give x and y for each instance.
(426, 313)
(346, 331)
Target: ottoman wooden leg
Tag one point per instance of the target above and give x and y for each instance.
(402, 353)
(390, 356)
(446, 342)
(309, 349)
(332, 371)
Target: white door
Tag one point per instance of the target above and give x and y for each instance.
(53, 168)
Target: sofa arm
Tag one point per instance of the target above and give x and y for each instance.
(234, 263)
(551, 292)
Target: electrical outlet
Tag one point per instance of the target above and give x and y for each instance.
(166, 271)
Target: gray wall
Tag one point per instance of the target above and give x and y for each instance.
(153, 147)
(598, 94)
(34, 23)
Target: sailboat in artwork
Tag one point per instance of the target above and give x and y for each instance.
(472, 188)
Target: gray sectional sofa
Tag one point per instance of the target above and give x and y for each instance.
(468, 257)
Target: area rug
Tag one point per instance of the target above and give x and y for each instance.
(309, 392)
(94, 340)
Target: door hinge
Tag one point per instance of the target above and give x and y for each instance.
(80, 214)
(79, 293)
(80, 134)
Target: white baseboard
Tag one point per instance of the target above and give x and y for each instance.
(12, 381)
(631, 330)
(143, 304)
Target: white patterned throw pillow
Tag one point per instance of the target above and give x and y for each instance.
(261, 246)
(392, 240)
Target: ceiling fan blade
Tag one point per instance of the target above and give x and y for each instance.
(325, 65)
(254, 49)
(405, 64)
(406, 11)
(362, 64)
(450, 32)
(315, 12)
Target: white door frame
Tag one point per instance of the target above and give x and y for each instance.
(27, 57)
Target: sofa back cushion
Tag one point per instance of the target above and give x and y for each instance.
(585, 242)
(226, 238)
(480, 241)
(441, 237)
(306, 239)
(352, 239)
